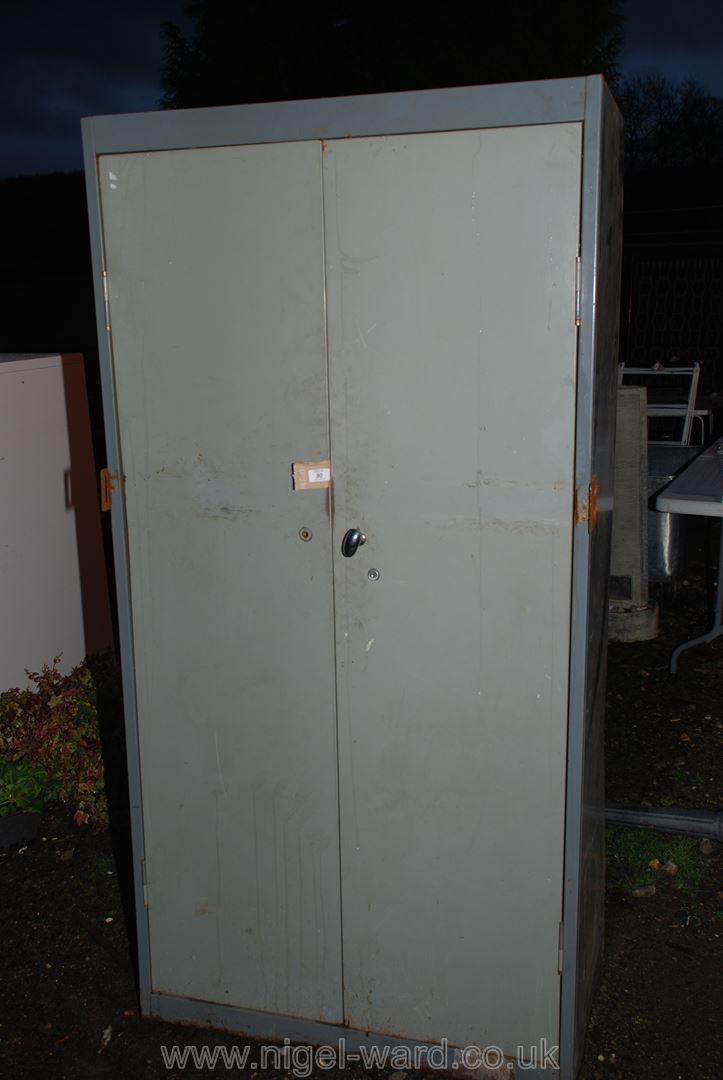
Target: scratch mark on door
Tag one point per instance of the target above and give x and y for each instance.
(218, 765)
(219, 951)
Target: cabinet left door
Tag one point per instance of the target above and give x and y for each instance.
(215, 275)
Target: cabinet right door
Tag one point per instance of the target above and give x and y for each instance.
(450, 269)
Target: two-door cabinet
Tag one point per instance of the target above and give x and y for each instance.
(359, 364)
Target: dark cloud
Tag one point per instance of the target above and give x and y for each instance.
(678, 41)
(60, 61)
(63, 60)
(121, 39)
(691, 26)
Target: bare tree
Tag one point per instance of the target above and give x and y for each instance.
(252, 51)
(670, 124)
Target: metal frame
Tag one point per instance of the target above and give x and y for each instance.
(550, 102)
(121, 566)
(591, 242)
(686, 410)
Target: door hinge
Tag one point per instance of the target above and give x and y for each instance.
(106, 304)
(144, 881)
(560, 947)
(586, 507)
(108, 483)
(578, 290)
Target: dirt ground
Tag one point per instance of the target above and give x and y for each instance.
(68, 1007)
(658, 1011)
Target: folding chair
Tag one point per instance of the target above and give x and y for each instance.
(685, 409)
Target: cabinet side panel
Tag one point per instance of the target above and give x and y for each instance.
(598, 356)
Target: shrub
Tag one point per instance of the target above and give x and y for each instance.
(22, 788)
(53, 728)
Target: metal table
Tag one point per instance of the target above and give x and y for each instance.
(699, 490)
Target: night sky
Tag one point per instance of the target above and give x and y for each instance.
(63, 60)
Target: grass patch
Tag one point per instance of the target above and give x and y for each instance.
(630, 852)
(104, 865)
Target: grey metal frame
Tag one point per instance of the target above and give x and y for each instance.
(598, 100)
(566, 100)
(121, 566)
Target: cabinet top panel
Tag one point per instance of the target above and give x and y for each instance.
(455, 108)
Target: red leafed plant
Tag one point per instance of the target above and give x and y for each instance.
(54, 726)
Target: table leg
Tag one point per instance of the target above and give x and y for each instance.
(717, 628)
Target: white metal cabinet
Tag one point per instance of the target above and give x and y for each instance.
(53, 589)
(359, 775)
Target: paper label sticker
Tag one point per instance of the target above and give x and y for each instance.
(317, 476)
(311, 474)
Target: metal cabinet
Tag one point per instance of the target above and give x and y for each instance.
(367, 788)
(53, 582)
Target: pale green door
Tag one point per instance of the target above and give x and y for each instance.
(216, 297)
(404, 306)
(450, 264)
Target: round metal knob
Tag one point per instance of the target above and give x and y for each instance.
(353, 540)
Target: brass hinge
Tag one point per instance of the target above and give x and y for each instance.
(578, 291)
(560, 947)
(108, 483)
(586, 508)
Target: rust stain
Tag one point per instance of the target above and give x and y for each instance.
(580, 508)
(592, 505)
(329, 502)
(586, 508)
(109, 482)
